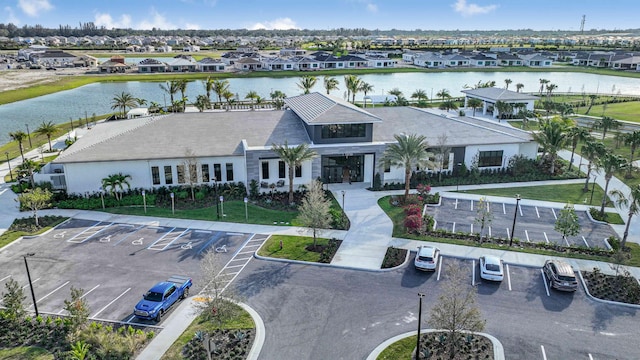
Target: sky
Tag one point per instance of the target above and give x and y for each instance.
(326, 14)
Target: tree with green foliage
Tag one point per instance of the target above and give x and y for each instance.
(632, 201)
(609, 163)
(19, 136)
(79, 350)
(293, 157)
(456, 309)
(519, 87)
(216, 307)
(123, 101)
(34, 200)
(591, 151)
(576, 134)
(78, 308)
(543, 82)
(365, 88)
(253, 96)
(330, 83)
(171, 87)
(47, 129)
(307, 82)
(115, 183)
(13, 300)
(605, 124)
(202, 103)
(474, 103)
(352, 83)
(507, 82)
(567, 223)
(278, 97)
(484, 216)
(314, 212)
(419, 95)
(220, 87)
(443, 94)
(408, 152)
(552, 138)
(633, 140)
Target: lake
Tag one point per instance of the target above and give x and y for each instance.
(97, 97)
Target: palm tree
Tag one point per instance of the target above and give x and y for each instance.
(307, 82)
(507, 82)
(633, 202)
(172, 88)
(408, 152)
(633, 140)
(228, 96)
(543, 82)
(293, 156)
(550, 89)
(474, 103)
(443, 94)
(448, 105)
(182, 86)
(552, 138)
(605, 124)
(420, 95)
(330, 83)
(202, 102)
(114, 182)
(122, 102)
(220, 87)
(47, 129)
(609, 163)
(352, 83)
(366, 88)
(519, 87)
(252, 95)
(591, 151)
(576, 134)
(504, 109)
(19, 136)
(278, 98)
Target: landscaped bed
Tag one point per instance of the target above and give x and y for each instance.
(434, 347)
(620, 288)
(300, 248)
(394, 257)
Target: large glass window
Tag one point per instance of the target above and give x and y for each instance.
(217, 172)
(281, 170)
(229, 167)
(205, 173)
(490, 158)
(181, 179)
(193, 173)
(344, 131)
(265, 170)
(298, 171)
(155, 175)
(168, 175)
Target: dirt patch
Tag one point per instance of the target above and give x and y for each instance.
(16, 78)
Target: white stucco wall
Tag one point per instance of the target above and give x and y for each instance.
(274, 173)
(509, 150)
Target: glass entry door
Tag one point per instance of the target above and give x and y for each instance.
(343, 169)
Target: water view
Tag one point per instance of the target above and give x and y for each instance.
(96, 98)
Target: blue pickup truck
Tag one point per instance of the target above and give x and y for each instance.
(157, 301)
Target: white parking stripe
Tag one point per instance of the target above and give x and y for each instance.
(26, 286)
(56, 289)
(544, 281)
(585, 242)
(508, 276)
(544, 355)
(233, 266)
(554, 214)
(537, 212)
(241, 259)
(473, 273)
(439, 269)
(471, 228)
(471, 205)
(545, 237)
(590, 357)
(246, 252)
(526, 233)
(508, 235)
(87, 293)
(489, 231)
(253, 245)
(109, 304)
(130, 318)
(504, 209)
(453, 229)
(456, 205)
(5, 278)
(567, 241)
(520, 209)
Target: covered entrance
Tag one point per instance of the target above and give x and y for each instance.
(343, 169)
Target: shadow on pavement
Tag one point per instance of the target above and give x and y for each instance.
(268, 276)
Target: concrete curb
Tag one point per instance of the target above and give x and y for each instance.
(299, 262)
(258, 342)
(498, 349)
(609, 302)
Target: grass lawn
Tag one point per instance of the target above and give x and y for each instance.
(627, 111)
(234, 211)
(294, 248)
(244, 321)
(10, 236)
(25, 353)
(568, 193)
(399, 350)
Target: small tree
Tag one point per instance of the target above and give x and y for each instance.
(456, 309)
(78, 308)
(442, 154)
(13, 300)
(314, 210)
(191, 165)
(35, 200)
(483, 215)
(215, 307)
(567, 223)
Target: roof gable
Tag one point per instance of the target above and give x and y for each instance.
(320, 109)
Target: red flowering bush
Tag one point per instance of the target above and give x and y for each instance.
(413, 222)
(413, 209)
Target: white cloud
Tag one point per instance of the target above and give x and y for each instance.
(104, 19)
(34, 8)
(11, 16)
(157, 21)
(277, 24)
(189, 26)
(371, 7)
(465, 9)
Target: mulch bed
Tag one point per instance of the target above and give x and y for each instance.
(621, 288)
(472, 346)
(394, 257)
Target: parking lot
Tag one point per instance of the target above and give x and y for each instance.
(533, 223)
(115, 263)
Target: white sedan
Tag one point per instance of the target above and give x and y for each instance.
(491, 268)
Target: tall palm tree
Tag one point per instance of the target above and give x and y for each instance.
(252, 95)
(448, 105)
(182, 86)
(171, 87)
(632, 200)
(220, 87)
(576, 134)
(208, 86)
(293, 156)
(19, 136)
(591, 151)
(408, 152)
(443, 94)
(420, 95)
(278, 98)
(543, 82)
(307, 82)
(633, 140)
(366, 88)
(474, 103)
(519, 87)
(507, 82)
(228, 97)
(552, 138)
(330, 83)
(550, 89)
(609, 163)
(592, 101)
(605, 124)
(122, 102)
(505, 109)
(352, 83)
(115, 182)
(202, 102)
(47, 129)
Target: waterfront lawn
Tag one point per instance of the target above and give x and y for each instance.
(626, 111)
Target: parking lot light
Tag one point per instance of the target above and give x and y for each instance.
(420, 295)
(144, 200)
(33, 295)
(173, 204)
(515, 215)
(215, 193)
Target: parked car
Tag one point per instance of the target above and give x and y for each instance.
(159, 299)
(51, 68)
(427, 258)
(560, 275)
(491, 268)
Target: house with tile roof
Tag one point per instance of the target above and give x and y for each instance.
(235, 146)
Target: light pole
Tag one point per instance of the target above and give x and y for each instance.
(28, 135)
(173, 204)
(515, 215)
(420, 295)
(102, 196)
(222, 204)
(144, 200)
(215, 191)
(9, 164)
(343, 209)
(246, 209)
(593, 188)
(33, 295)
(458, 165)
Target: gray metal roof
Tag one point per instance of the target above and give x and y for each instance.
(320, 109)
(460, 131)
(206, 134)
(499, 94)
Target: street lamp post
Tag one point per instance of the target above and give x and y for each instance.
(343, 209)
(9, 164)
(173, 204)
(515, 215)
(144, 200)
(593, 188)
(215, 193)
(33, 295)
(421, 295)
(222, 204)
(28, 135)
(246, 209)
(458, 176)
